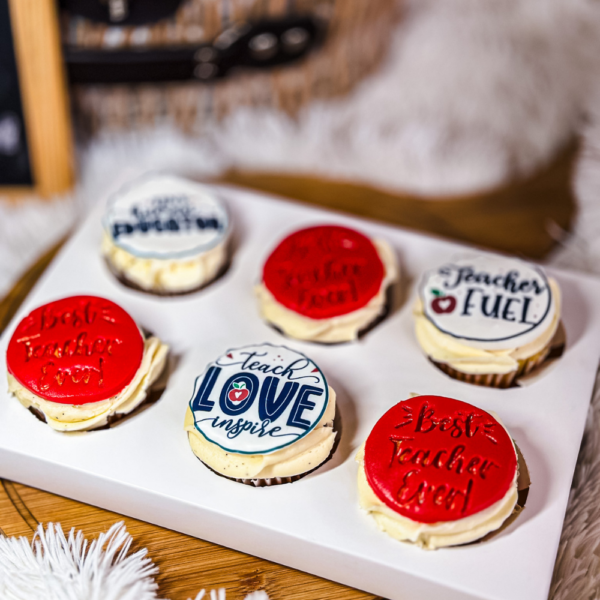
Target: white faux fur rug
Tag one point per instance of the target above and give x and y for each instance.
(472, 94)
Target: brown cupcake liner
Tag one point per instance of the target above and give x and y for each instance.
(271, 481)
(267, 482)
(123, 279)
(503, 380)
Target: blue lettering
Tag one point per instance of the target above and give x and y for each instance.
(297, 365)
(271, 408)
(120, 228)
(201, 401)
(302, 403)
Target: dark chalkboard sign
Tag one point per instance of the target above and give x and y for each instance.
(15, 166)
(35, 133)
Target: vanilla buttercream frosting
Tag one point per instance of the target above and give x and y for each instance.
(433, 535)
(341, 328)
(166, 275)
(70, 418)
(302, 456)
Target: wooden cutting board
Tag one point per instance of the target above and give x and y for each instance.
(517, 219)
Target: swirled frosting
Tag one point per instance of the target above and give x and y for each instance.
(433, 535)
(166, 275)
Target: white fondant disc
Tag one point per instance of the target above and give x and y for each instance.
(491, 302)
(258, 399)
(166, 217)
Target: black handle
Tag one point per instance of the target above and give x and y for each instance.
(258, 45)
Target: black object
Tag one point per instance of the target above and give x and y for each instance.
(15, 168)
(122, 12)
(258, 45)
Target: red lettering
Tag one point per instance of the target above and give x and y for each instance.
(438, 495)
(420, 457)
(425, 422)
(456, 459)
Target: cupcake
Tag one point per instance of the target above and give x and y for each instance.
(262, 415)
(82, 363)
(438, 472)
(166, 235)
(487, 320)
(327, 284)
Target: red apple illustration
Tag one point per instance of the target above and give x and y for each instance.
(442, 304)
(239, 392)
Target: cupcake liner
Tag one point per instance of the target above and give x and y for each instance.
(498, 380)
(271, 481)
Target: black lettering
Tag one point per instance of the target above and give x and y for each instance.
(468, 304)
(495, 311)
(507, 315)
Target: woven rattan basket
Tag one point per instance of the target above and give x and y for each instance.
(355, 36)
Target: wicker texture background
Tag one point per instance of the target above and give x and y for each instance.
(358, 35)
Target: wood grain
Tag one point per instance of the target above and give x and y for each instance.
(42, 81)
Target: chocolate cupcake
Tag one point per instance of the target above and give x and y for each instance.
(262, 415)
(166, 235)
(487, 320)
(82, 363)
(439, 472)
(327, 284)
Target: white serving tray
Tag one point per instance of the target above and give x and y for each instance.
(144, 467)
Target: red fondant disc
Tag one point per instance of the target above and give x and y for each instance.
(434, 459)
(76, 350)
(324, 272)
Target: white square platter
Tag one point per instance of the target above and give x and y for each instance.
(144, 467)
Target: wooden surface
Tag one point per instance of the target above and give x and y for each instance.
(523, 218)
(43, 90)
(514, 219)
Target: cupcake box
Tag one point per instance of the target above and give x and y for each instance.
(144, 466)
